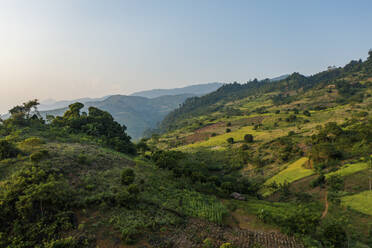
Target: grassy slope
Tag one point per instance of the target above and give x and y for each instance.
(291, 173)
(348, 169)
(360, 202)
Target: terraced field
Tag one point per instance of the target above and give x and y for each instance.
(348, 169)
(238, 136)
(291, 173)
(360, 202)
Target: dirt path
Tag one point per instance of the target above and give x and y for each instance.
(325, 212)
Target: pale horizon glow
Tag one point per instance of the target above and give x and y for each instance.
(90, 48)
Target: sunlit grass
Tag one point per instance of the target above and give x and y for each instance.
(349, 169)
(238, 136)
(293, 172)
(361, 202)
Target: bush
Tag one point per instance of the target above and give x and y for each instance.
(82, 159)
(335, 183)
(319, 181)
(127, 176)
(39, 155)
(306, 113)
(7, 150)
(228, 130)
(33, 141)
(230, 140)
(248, 138)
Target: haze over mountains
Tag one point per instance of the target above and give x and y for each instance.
(139, 111)
(198, 90)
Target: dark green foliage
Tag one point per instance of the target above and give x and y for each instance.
(319, 181)
(142, 146)
(209, 172)
(335, 183)
(332, 233)
(99, 124)
(35, 205)
(302, 220)
(7, 150)
(291, 118)
(228, 130)
(39, 155)
(127, 176)
(333, 142)
(306, 113)
(248, 138)
(230, 140)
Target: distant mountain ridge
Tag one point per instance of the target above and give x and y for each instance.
(139, 111)
(197, 90)
(50, 104)
(135, 112)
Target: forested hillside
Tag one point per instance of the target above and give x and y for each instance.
(348, 81)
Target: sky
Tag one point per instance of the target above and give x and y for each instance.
(66, 49)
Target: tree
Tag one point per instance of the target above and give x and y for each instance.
(7, 150)
(142, 146)
(127, 176)
(25, 109)
(306, 113)
(335, 182)
(248, 138)
(31, 105)
(230, 140)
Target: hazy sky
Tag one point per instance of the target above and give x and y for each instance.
(76, 48)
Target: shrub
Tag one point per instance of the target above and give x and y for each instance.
(33, 141)
(82, 159)
(39, 155)
(7, 150)
(319, 181)
(306, 113)
(335, 183)
(291, 133)
(230, 140)
(133, 189)
(228, 130)
(248, 138)
(127, 176)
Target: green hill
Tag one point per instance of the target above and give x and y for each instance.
(262, 129)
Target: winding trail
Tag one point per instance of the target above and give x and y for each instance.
(325, 212)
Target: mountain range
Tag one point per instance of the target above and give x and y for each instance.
(139, 111)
